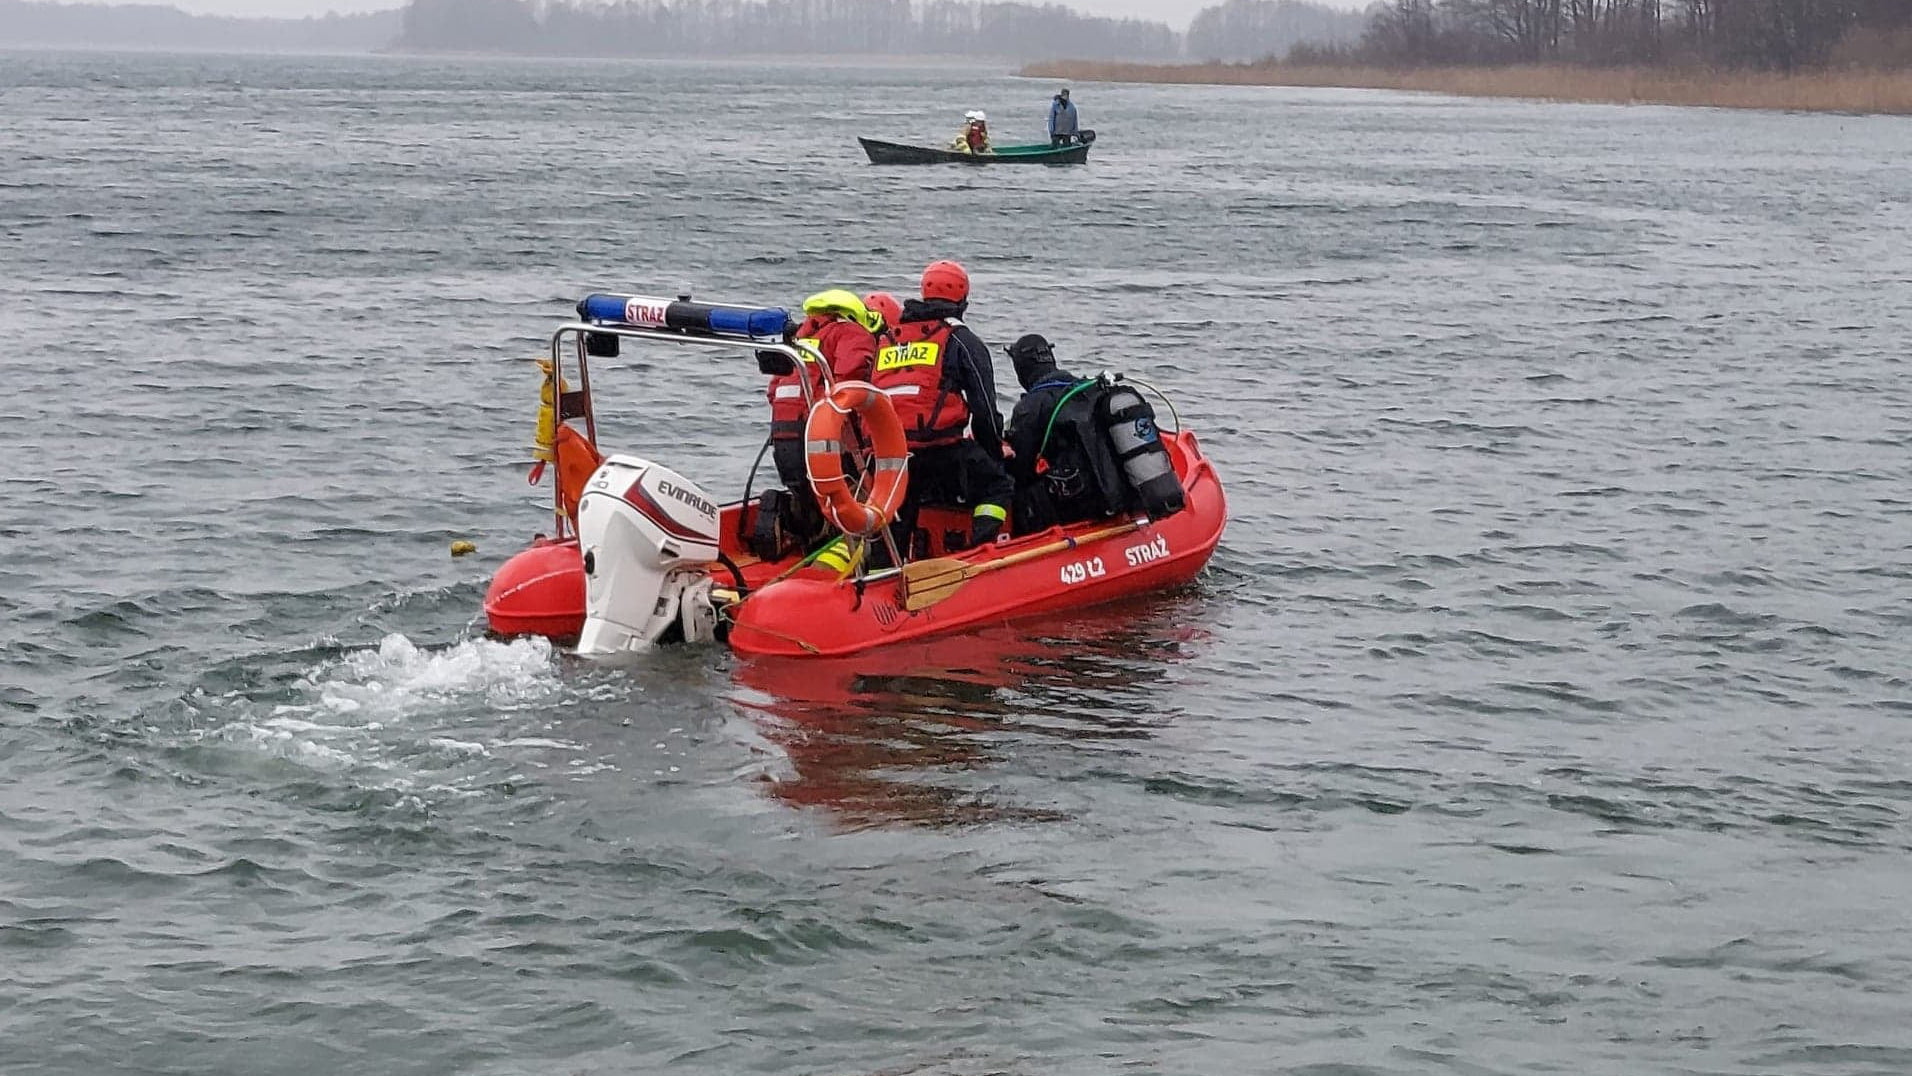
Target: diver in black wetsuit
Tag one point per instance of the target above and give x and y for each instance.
(1063, 474)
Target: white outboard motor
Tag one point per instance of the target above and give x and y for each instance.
(649, 536)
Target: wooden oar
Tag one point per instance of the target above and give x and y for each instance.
(926, 582)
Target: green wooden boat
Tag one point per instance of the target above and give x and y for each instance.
(1043, 153)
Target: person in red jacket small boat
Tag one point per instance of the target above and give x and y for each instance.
(839, 328)
(939, 377)
(974, 137)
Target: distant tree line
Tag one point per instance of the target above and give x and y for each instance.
(1782, 35)
(729, 27)
(1256, 29)
(39, 22)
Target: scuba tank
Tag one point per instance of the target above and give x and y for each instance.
(1128, 422)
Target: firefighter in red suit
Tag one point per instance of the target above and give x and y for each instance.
(939, 377)
(839, 328)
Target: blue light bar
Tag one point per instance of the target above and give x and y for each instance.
(652, 312)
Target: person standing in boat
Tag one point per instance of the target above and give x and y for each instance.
(843, 331)
(940, 379)
(974, 137)
(1063, 121)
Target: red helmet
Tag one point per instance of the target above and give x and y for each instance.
(945, 280)
(882, 302)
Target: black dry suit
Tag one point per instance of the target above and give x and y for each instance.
(1068, 464)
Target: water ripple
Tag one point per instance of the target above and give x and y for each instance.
(1544, 709)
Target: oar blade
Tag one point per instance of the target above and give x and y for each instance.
(927, 570)
(921, 596)
(926, 582)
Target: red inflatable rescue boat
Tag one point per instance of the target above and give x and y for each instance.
(642, 555)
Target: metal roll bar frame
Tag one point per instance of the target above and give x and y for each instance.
(579, 331)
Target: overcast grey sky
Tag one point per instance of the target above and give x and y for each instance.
(1174, 12)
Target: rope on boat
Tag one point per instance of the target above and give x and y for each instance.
(808, 648)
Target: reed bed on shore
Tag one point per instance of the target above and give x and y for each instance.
(1845, 90)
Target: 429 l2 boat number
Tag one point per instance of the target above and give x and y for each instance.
(1083, 570)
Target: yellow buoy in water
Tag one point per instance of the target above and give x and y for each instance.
(461, 547)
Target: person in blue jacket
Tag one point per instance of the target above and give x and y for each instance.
(1062, 119)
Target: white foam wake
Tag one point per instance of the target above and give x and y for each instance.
(399, 714)
(399, 679)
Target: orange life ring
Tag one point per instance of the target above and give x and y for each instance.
(823, 454)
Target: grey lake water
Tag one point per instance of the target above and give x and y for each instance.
(1546, 709)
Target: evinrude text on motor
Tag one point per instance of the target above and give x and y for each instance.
(649, 541)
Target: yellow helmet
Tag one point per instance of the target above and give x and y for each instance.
(838, 301)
